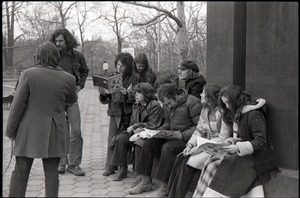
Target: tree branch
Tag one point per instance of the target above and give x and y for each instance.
(168, 13)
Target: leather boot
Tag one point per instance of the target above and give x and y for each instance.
(144, 186)
(160, 192)
(122, 173)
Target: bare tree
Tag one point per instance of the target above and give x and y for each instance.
(84, 19)
(64, 11)
(8, 38)
(119, 22)
(181, 31)
(37, 21)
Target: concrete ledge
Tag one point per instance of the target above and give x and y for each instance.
(285, 184)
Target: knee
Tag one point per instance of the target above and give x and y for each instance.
(167, 150)
(123, 139)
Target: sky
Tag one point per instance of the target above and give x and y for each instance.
(100, 28)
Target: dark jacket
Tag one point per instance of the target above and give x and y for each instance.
(195, 86)
(79, 67)
(253, 128)
(149, 116)
(185, 116)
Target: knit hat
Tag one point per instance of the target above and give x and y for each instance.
(188, 64)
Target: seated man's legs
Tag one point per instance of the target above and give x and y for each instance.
(169, 152)
(144, 163)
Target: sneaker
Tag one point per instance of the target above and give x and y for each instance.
(76, 170)
(61, 169)
(107, 173)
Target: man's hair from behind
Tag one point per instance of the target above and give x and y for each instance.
(48, 55)
(69, 38)
(147, 90)
(168, 90)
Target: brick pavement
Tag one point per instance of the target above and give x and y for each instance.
(95, 130)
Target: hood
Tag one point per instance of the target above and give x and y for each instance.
(183, 96)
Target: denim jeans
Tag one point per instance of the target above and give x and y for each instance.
(76, 144)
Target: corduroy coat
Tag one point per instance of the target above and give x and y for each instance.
(37, 119)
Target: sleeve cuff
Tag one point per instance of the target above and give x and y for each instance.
(245, 148)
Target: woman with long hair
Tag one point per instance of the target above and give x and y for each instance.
(235, 175)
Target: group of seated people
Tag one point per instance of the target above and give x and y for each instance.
(183, 117)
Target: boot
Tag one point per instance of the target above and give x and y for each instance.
(122, 173)
(144, 186)
(160, 192)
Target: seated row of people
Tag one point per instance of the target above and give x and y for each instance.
(182, 120)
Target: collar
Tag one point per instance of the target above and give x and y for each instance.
(68, 52)
(49, 67)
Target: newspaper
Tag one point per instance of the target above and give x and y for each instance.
(111, 84)
(211, 147)
(146, 133)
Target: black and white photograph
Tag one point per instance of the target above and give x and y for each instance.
(223, 72)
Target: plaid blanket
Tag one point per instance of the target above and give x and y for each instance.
(209, 169)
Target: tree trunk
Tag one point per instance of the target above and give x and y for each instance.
(119, 45)
(10, 17)
(182, 44)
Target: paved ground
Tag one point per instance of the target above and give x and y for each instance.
(95, 130)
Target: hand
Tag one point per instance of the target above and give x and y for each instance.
(231, 148)
(123, 91)
(129, 89)
(138, 130)
(78, 88)
(186, 151)
(102, 91)
(177, 135)
(196, 151)
(130, 129)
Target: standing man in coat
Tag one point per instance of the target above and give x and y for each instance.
(73, 62)
(37, 121)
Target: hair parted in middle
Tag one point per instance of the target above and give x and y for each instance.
(146, 89)
(48, 55)
(142, 59)
(70, 40)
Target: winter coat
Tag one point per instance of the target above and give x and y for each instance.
(195, 86)
(149, 116)
(184, 117)
(37, 119)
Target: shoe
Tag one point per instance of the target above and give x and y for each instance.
(160, 192)
(134, 184)
(76, 170)
(143, 186)
(122, 173)
(61, 169)
(107, 173)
